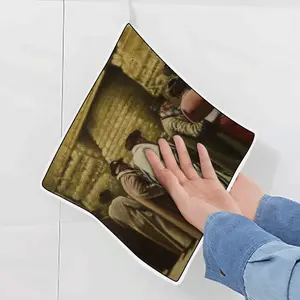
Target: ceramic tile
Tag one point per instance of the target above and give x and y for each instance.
(249, 3)
(28, 260)
(70, 213)
(30, 92)
(88, 45)
(93, 265)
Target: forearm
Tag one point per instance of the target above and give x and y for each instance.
(280, 217)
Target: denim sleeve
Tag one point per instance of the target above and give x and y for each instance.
(273, 272)
(280, 217)
(229, 242)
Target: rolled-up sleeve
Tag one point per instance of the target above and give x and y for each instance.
(229, 242)
(246, 258)
(273, 272)
(280, 217)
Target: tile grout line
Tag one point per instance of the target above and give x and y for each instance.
(62, 68)
(61, 134)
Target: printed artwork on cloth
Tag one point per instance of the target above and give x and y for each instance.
(101, 166)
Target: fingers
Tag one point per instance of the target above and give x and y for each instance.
(154, 161)
(171, 183)
(170, 160)
(166, 177)
(160, 172)
(184, 159)
(207, 168)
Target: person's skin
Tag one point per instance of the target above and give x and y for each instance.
(247, 195)
(197, 198)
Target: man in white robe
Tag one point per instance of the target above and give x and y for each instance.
(130, 213)
(135, 182)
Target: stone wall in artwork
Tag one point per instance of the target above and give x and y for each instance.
(118, 103)
(140, 62)
(62, 157)
(121, 107)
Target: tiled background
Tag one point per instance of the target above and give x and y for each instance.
(243, 55)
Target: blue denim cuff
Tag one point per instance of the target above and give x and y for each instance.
(280, 217)
(229, 242)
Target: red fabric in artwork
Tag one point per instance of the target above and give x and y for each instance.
(235, 130)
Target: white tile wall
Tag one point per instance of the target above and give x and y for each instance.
(247, 61)
(30, 93)
(30, 97)
(28, 262)
(94, 266)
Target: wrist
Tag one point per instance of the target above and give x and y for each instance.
(199, 221)
(210, 217)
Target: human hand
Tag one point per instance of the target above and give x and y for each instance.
(247, 195)
(196, 198)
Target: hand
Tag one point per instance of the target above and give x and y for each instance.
(247, 195)
(196, 198)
